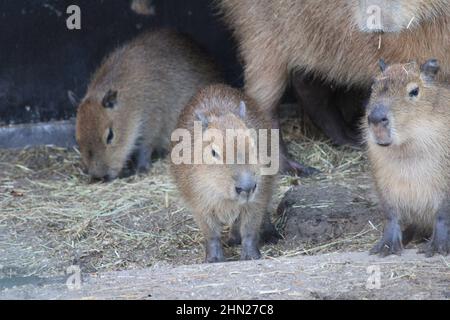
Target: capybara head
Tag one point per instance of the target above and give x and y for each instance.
(230, 166)
(105, 134)
(396, 15)
(402, 100)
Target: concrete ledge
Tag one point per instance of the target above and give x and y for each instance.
(348, 275)
(60, 134)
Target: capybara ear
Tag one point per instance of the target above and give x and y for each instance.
(383, 65)
(242, 110)
(73, 98)
(430, 70)
(200, 116)
(110, 99)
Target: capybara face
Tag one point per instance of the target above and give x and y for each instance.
(395, 15)
(230, 159)
(102, 136)
(402, 97)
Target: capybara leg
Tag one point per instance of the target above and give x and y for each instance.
(144, 159)
(289, 166)
(440, 240)
(269, 234)
(250, 230)
(265, 79)
(214, 250)
(212, 232)
(316, 99)
(391, 241)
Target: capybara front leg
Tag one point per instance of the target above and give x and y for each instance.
(391, 241)
(250, 231)
(440, 240)
(212, 232)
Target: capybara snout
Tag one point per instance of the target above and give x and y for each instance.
(245, 185)
(379, 124)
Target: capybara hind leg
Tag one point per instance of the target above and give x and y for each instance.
(440, 240)
(316, 99)
(212, 232)
(250, 230)
(289, 166)
(391, 241)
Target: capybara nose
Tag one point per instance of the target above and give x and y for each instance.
(379, 115)
(246, 183)
(248, 189)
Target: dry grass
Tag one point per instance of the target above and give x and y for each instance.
(51, 217)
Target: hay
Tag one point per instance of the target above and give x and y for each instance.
(51, 217)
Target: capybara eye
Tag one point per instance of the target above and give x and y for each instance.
(110, 136)
(414, 93)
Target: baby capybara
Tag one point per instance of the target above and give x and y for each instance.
(219, 191)
(408, 137)
(134, 99)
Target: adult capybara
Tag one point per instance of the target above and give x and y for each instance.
(408, 137)
(134, 99)
(220, 191)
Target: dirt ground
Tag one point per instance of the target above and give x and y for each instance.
(52, 218)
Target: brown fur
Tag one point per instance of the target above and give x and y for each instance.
(411, 175)
(324, 38)
(154, 76)
(209, 190)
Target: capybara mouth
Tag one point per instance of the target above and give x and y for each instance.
(381, 135)
(384, 144)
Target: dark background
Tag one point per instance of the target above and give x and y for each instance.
(41, 60)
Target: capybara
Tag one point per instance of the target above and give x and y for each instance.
(218, 191)
(330, 40)
(134, 99)
(408, 137)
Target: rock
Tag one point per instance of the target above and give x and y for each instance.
(319, 213)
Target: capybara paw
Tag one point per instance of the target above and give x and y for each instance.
(388, 246)
(433, 248)
(215, 259)
(250, 254)
(214, 252)
(440, 240)
(144, 168)
(294, 168)
(437, 245)
(391, 242)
